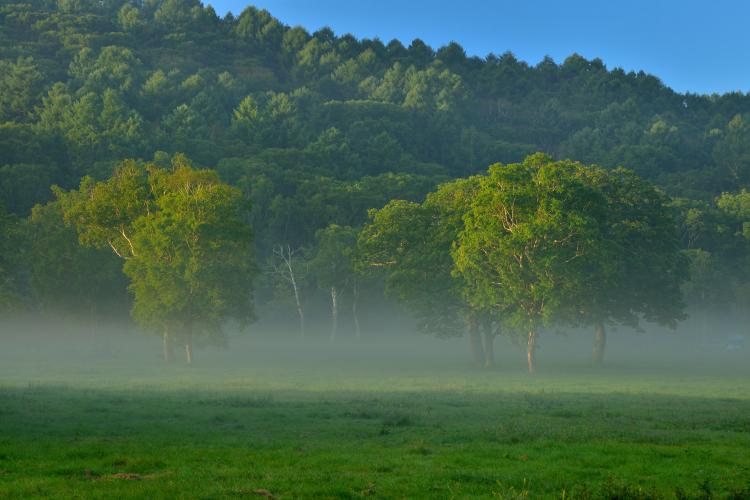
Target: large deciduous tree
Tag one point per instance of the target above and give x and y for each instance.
(563, 243)
(187, 249)
(531, 234)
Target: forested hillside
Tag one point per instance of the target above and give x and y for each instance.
(317, 128)
(85, 84)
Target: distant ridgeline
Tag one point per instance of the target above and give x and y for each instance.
(316, 129)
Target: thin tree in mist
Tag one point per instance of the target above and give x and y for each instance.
(333, 268)
(289, 265)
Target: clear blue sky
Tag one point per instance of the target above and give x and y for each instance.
(696, 46)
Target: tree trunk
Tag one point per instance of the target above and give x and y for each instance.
(301, 314)
(300, 311)
(475, 341)
(334, 313)
(189, 343)
(355, 298)
(489, 349)
(530, 348)
(600, 342)
(488, 337)
(167, 345)
(286, 255)
(189, 352)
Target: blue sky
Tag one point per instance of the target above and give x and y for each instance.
(695, 46)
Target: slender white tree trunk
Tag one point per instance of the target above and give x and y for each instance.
(284, 268)
(295, 287)
(300, 311)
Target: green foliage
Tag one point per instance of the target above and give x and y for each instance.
(20, 85)
(113, 67)
(187, 249)
(23, 184)
(715, 235)
(411, 243)
(737, 209)
(127, 79)
(559, 242)
(732, 151)
(333, 262)
(104, 213)
(534, 244)
(66, 277)
(533, 233)
(192, 254)
(640, 269)
(9, 296)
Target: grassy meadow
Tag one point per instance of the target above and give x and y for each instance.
(409, 419)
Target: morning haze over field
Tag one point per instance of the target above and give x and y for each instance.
(245, 255)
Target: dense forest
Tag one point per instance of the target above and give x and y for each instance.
(306, 138)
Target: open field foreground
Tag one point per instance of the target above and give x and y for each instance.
(350, 421)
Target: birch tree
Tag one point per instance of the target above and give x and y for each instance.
(185, 246)
(333, 267)
(289, 266)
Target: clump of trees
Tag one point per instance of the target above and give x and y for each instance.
(531, 245)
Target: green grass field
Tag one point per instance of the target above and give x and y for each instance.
(315, 421)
